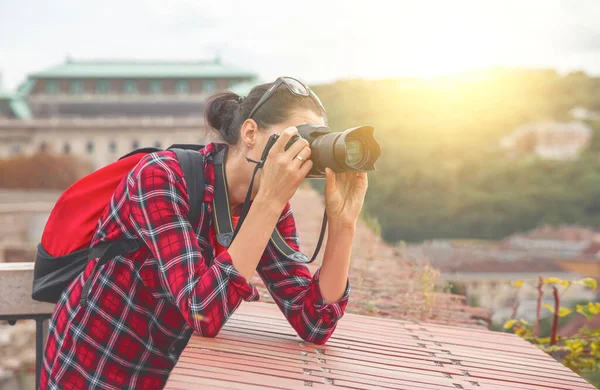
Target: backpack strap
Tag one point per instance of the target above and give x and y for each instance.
(104, 252)
(192, 165)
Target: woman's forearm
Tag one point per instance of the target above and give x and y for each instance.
(251, 241)
(336, 261)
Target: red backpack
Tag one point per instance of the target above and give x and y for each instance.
(65, 249)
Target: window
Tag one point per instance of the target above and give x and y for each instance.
(52, 86)
(112, 147)
(129, 86)
(155, 86)
(102, 86)
(209, 86)
(157, 144)
(76, 86)
(232, 82)
(135, 144)
(66, 148)
(90, 147)
(182, 87)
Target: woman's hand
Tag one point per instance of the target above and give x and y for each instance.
(284, 171)
(344, 196)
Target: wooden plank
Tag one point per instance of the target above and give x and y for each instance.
(258, 347)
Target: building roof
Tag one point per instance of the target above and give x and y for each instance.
(258, 349)
(244, 88)
(15, 105)
(141, 69)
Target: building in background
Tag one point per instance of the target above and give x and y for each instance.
(548, 140)
(101, 110)
(583, 114)
(484, 271)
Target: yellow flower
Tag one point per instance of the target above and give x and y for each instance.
(509, 324)
(518, 283)
(556, 280)
(563, 312)
(588, 282)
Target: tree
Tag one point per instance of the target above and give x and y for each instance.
(42, 171)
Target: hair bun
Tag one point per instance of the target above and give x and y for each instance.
(220, 112)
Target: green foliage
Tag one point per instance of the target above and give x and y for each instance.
(580, 352)
(442, 175)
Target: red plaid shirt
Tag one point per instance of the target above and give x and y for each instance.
(143, 307)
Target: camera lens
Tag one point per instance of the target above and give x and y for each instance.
(356, 153)
(352, 150)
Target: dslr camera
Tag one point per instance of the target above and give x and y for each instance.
(352, 150)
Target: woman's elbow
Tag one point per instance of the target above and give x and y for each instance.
(210, 332)
(318, 339)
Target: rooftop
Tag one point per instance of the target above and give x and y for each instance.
(257, 349)
(141, 69)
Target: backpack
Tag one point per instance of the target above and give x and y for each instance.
(64, 250)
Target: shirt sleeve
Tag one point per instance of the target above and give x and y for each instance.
(297, 294)
(206, 296)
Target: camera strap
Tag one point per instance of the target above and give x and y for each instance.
(222, 214)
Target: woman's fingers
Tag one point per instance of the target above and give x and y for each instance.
(284, 137)
(302, 157)
(305, 168)
(296, 148)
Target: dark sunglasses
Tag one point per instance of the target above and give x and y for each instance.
(293, 85)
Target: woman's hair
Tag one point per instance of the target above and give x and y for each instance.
(226, 111)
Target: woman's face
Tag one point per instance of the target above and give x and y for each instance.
(297, 118)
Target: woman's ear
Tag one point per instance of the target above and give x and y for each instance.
(249, 131)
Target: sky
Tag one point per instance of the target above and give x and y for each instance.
(313, 40)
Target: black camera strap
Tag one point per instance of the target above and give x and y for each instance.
(222, 214)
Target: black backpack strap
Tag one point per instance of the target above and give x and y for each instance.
(104, 252)
(192, 165)
(195, 147)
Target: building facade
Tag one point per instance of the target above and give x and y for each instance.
(101, 110)
(549, 140)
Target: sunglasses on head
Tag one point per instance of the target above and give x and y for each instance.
(293, 85)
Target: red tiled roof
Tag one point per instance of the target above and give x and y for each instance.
(564, 232)
(525, 265)
(257, 349)
(593, 249)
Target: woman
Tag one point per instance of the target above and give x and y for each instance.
(142, 308)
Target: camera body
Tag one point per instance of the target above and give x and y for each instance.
(352, 150)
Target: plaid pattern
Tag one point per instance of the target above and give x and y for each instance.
(143, 307)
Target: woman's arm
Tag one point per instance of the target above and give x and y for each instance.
(344, 197)
(280, 177)
(158, 207)
(296, 292)
(336, 261)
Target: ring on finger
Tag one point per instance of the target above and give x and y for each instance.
(300, 158)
